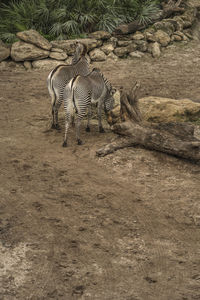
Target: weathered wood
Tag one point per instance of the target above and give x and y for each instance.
(172, 138)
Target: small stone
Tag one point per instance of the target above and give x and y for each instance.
(27, 65)
(107, 48)
(112, 56)
(197, 220)
(123, 43)
(121, 51)
(156, 50)
(137, 36)
(176, 38)
(97, 55)
(136, 54)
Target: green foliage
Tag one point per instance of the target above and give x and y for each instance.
(62, 19)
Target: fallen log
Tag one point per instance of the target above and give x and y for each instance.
(172, 138)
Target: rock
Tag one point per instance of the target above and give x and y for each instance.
(137, 36)
(196, 220)
(91, 43)
(116, 97)
(114, 40)
(69, 45)
(68, 61)
(189, 36)
(179, 23)
(100, 35)
(123, 43)
(112, 56)
(162, 37)
(121, 51)
(175, 37)
(4, 51)
(57, 50)
(22, 51)
(141, 45)
(47, 64)
(179, 33)
(136, 54)
(107, 48)
(58, 55)
(5, 65)
(97, 55)
(27, 65)
(155, 50)
(132, 47)
(168, 26)
(157, 109)
(33, 37)
(150, 37)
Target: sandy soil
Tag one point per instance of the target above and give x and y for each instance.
(75, 226)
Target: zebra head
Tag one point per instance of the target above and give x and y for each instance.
(80, 50)
(109, 101)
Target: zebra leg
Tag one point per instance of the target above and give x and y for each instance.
(78, 124)
(53, 119)
(56, 108)
(99, 110)
(89, 117)
(67, 123)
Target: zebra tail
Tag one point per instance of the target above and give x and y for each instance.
(51, 89)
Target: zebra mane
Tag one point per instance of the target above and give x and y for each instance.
(84, 52)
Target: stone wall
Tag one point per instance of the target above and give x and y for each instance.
(34, 51)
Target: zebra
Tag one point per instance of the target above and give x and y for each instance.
(78, 96)
(60, 76)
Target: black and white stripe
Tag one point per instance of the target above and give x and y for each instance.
(80, 93)
(61, 75)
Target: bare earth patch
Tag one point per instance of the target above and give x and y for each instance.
(74, 226)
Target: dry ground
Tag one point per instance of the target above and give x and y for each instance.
(74, 226)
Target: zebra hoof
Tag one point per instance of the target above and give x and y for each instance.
(87, 129)
(101, 130)
(79, 142)
(57, 127)
(53, 126)
(64, 144)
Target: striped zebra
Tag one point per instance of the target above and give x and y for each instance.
(61, 75)
(78, 96)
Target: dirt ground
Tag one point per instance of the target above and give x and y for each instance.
(75, 226)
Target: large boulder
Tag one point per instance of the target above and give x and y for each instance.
(21, 51)
(11, 65)
(58, 55)
(141, 45)
(107, 48)
(137, 36)
(33, 37)
(121, 51)
(97, 55)
(162, 37)
(157, 109)
(123, 43)
(69, 45)
(100, 35)
(47, 64)
(4, 51)
(91, 43)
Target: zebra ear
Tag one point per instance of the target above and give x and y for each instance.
(113, 91)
